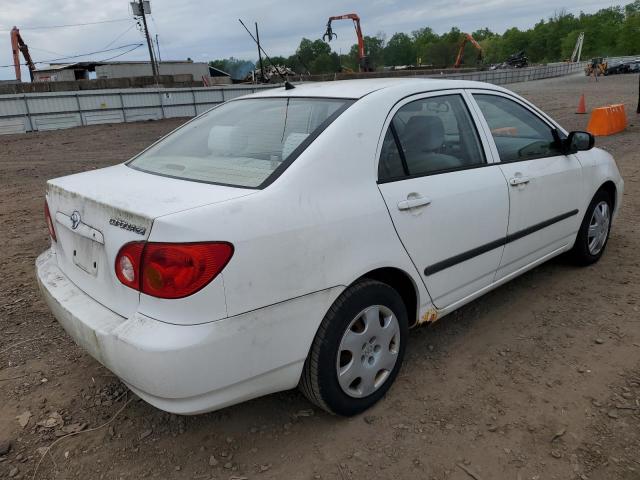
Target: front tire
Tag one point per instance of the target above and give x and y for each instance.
(358, 350)
(594, 231)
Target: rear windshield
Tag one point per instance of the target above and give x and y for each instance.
(240, 143)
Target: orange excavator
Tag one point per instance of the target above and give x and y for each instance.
(463, 42)
(364, 65)
(18, 46)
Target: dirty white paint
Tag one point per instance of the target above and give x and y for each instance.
(190, 369)
(324, 223)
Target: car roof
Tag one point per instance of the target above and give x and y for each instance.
(360, 88)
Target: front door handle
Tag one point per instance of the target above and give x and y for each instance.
(519, 180)
(413, 203)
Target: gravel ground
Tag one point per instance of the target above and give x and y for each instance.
(539, 379)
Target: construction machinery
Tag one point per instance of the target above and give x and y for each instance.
(467, 38)
(18, 46)
(577, 50)
(363, 60)
(597, 66)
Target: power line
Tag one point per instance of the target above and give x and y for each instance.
(136, 45)
(31, 47)
(121, 54)
(45, 27)
(120, 36)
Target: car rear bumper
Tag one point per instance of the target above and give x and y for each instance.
(195, 368)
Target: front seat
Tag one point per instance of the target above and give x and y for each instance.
(422, 138)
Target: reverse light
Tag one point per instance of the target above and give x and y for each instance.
(47, 217)
(128, 264)
(171, 270)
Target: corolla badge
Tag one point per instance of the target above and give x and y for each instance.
(118, 222)
(75, 219)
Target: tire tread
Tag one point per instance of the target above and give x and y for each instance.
(310, 373)
(580, 252)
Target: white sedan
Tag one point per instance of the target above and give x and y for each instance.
(291, 237)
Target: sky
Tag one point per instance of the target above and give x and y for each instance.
(206, 30)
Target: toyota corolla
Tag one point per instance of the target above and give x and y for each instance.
(292, 237)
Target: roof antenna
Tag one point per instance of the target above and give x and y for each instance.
(287, 84)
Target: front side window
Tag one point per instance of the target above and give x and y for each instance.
(240, 143)
(430, 135)
(517, 132)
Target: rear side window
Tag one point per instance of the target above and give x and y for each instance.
(241, 143)
(430, 135)
(517, 132)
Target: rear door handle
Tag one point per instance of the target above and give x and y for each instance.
(515, 181)
(413, 203)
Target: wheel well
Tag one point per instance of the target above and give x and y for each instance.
(403, 284)
(610, 188)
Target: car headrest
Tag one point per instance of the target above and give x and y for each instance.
(225, 140)
(292, 142)
(423, 134)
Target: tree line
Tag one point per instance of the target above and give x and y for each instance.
(611, 31)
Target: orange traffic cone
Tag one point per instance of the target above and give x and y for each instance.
(581, 105)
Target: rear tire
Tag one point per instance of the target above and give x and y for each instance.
(358, 349)
(594, 231)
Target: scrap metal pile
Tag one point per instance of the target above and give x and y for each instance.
(517, 60)
(270, 74)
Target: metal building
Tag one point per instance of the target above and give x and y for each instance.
(61, 72)
(142, 69)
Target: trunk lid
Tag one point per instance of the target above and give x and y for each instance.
(95, 213)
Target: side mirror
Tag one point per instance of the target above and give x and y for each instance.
(579, 142)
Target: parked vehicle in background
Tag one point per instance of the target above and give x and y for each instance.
(292, 237)
(618, 67)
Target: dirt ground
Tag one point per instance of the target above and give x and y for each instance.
(540, 379)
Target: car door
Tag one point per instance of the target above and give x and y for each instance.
(448, 203)
(544, 184)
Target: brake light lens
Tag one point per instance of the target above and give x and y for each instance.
(47, 217)
(171, 270)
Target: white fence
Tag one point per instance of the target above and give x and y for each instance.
(54, 110)
(515, 75)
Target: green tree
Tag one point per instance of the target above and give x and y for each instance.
(422, 38)
(309, 50)
(325, 63)
(483, 34)
(568, 44)
(632, 8)
(399, 50)
(373, 48)
(610, 31)
(629, 34)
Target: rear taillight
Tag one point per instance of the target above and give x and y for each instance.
(171, 270)
(47, 217)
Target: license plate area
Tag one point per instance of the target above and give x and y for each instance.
(86, 254)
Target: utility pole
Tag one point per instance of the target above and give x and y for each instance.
(158, 47)
(259, 54)
(154, 67)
